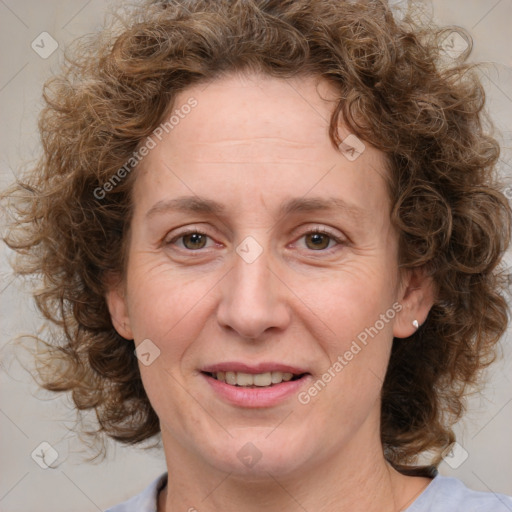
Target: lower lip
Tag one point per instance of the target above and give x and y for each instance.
(256, 397)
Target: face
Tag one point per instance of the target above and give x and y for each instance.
(260, 250)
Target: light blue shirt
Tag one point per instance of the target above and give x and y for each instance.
(443, 494)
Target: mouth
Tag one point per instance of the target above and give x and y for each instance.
(255, 380)
(255, 385)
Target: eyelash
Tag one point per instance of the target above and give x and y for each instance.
(321, 231)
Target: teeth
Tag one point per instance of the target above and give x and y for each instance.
(244, 379)
(231, 378)
(262, 379)
(247, 379)
(277, 377)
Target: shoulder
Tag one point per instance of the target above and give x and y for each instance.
(146, 501)
(446, 494)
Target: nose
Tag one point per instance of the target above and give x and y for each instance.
(253, 299)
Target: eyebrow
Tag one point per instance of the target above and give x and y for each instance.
(196, 204)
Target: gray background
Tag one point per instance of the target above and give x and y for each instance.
(29, 416)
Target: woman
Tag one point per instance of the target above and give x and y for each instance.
(270, 231)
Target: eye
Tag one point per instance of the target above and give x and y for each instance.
(321, 239)
(318, 240)
(192, 240)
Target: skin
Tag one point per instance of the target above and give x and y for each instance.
(251, 143)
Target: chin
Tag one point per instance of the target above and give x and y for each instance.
(257, 454)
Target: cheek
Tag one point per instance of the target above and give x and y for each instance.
(352, 322)
(162, 303)
(347, 302)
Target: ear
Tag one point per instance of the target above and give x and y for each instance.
(417, 295)
(117, 306)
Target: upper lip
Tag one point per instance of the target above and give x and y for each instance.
(264, 367)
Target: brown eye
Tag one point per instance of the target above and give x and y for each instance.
(194, 240)
(317, 241)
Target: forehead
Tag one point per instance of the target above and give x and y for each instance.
(262, 106)
(268, 132)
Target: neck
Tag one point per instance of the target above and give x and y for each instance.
(351, 479)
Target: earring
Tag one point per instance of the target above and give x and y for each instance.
(415, 323)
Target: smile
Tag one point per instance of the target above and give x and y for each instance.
(266, 379)
(255, 385)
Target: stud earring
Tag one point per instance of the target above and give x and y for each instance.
(415, 323)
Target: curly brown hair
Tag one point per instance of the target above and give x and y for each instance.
(397, 90)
